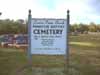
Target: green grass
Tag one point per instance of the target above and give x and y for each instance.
(85, 54)
(10, 61)
(84, 59)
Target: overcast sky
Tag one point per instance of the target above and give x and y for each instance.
(81, 11)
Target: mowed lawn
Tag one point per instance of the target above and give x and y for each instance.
(84, 59)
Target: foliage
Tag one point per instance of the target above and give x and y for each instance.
(92, 27)
(12, 27)
(8, 26)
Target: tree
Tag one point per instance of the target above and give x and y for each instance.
(92, 27)
(83, 28)
(98, 27)
(12, 27)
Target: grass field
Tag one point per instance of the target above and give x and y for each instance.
(84, 59)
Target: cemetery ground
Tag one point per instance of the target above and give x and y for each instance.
(84, 59)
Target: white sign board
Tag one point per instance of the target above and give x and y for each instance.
(48, 36)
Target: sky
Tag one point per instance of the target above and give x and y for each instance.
(81, 11)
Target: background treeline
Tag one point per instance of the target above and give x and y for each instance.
(85, 28)
(12, 27)
(20, 26)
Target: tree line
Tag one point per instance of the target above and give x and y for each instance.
(8, 26)
(12, 27)
(83, 28)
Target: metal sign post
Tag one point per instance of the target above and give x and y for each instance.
(68, 32)
(29, 40)
(67, 44)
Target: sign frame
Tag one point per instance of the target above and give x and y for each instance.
(66, 56)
